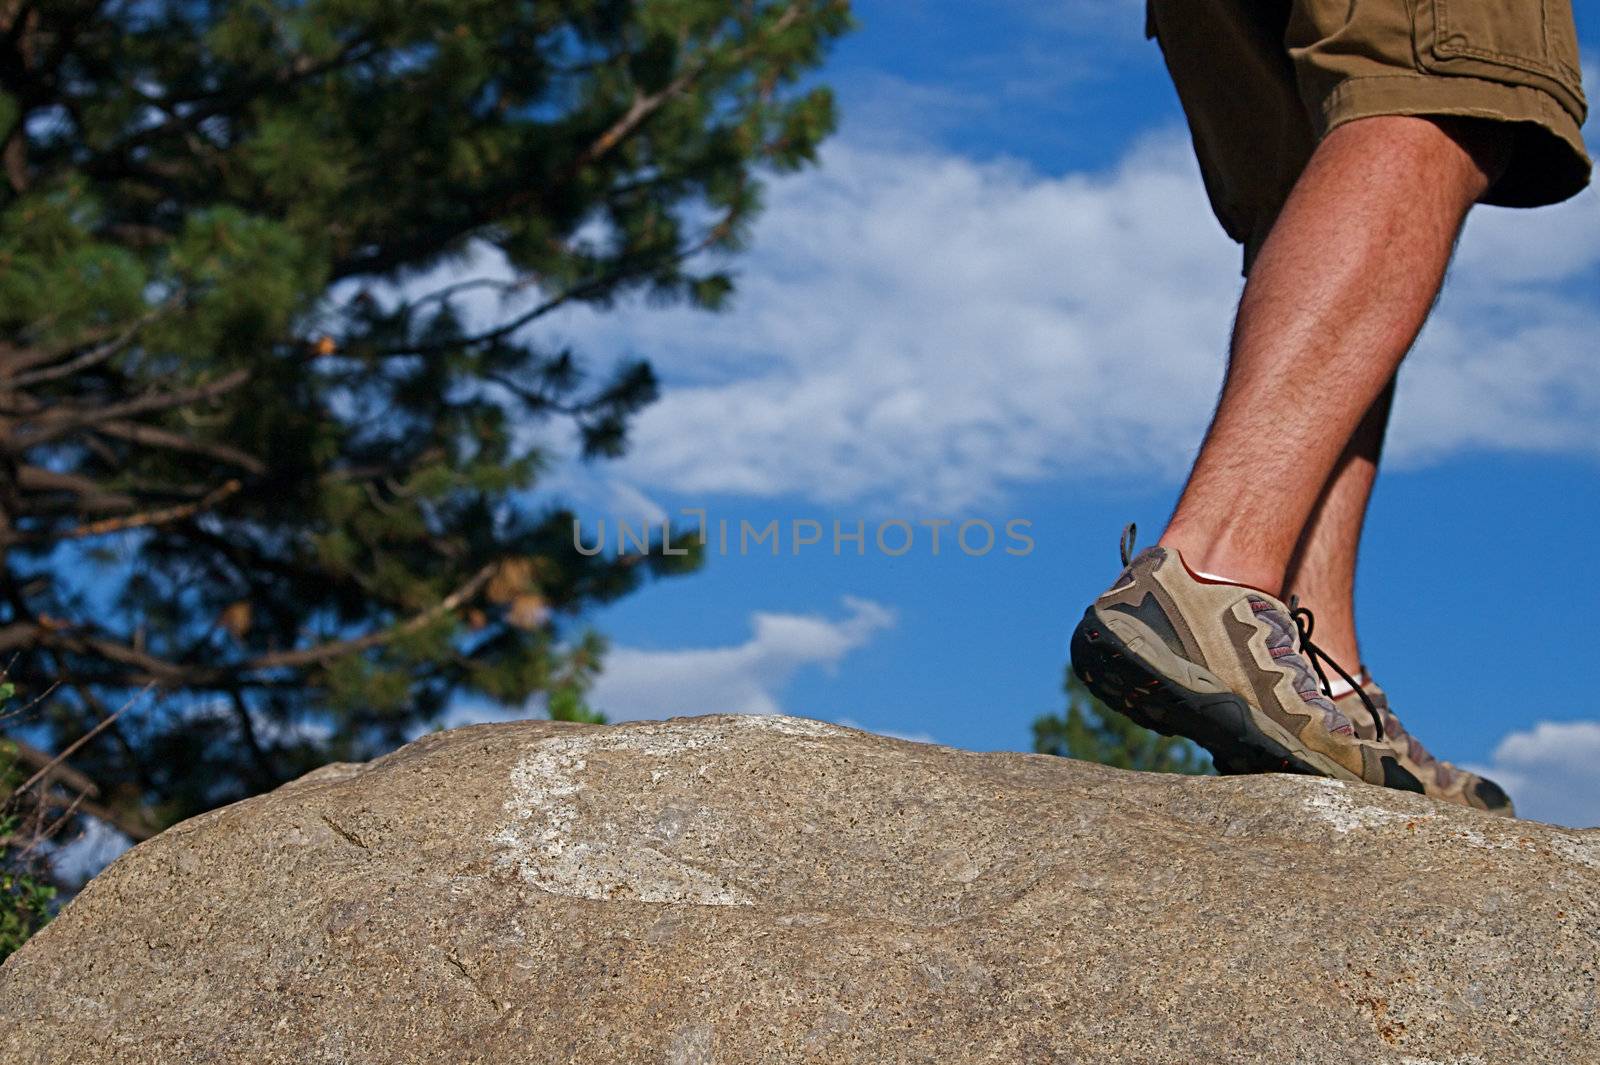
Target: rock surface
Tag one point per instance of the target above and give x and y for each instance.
(763, 889)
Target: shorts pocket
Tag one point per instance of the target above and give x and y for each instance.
(1516, 42)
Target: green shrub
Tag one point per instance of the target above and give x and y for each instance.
(26, 895)
(25, 899)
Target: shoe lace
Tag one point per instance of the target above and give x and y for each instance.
(1305, 622)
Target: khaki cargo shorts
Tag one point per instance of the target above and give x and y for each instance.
(1262, 80)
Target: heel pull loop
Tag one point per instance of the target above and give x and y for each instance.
(1129, 531)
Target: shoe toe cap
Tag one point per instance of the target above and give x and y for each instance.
(1491, 796)
(1399, 777)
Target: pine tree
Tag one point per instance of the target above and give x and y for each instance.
(1094, 733)
(244, 461)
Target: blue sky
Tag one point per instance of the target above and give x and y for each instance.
(1002, 297)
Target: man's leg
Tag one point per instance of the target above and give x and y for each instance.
(1334, 301)
(1323, 570)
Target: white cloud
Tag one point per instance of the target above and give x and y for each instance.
(73, 861)
(578, 486)
(918, 328)
(895, 734)
(1549, 772)
(1508, 361)
(745, 678)
(921, 330)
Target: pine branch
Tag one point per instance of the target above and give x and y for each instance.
(643, 107)
(33, 756)
(639, 111)
(94, 356)
(137, 825)
(141, 520)
(23, 356)
(153, 436)
(185, 113)
(338, 648)
(74, 747)
(252, 742)
(591, 287)
(154, 670)
(60, 421)
(90, 494)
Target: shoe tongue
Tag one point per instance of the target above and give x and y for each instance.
(1350, 705)
(1381, 701)
(1149, 555)
(1395, 732)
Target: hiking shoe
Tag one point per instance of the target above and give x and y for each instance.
(1440, 780)
(1220, 664)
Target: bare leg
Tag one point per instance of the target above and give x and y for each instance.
(1335, 299)
(1323, 570)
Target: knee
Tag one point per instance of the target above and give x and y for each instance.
(1464, 153)
(1487, 142)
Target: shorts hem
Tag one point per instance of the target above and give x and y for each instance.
(1549, 163)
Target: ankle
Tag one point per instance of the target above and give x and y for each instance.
(1211, 562)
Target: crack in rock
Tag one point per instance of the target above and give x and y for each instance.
(344, 833)
(459, 966)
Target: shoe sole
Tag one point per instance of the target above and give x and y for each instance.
(1240, 738)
